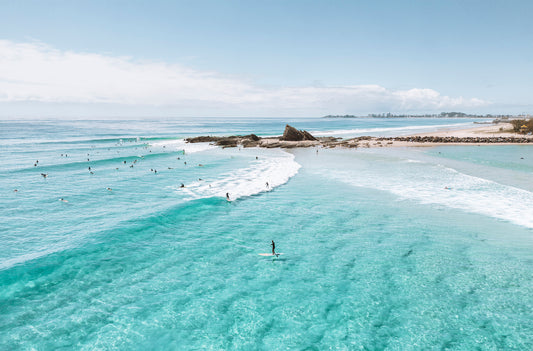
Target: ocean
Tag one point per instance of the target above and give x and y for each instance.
(383, 249)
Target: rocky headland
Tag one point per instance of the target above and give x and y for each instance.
(294, 138)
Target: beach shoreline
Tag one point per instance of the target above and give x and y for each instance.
(497, 133)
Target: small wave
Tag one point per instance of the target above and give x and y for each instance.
(180, 144)
(14, 261)
(276, 170)
(436, 184)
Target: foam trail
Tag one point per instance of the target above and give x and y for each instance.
(276, 170)
(181, 144)
(435, 184)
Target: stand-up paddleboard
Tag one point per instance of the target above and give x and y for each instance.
(270, 255)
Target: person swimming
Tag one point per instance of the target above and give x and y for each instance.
(273, 247)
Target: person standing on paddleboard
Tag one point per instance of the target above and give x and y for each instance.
(273, 247)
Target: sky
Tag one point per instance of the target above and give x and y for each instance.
(265, 58)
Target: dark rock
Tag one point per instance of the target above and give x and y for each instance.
(227, 142)
(308, 136)
(202, 139)
(293, 134)
(249, 143)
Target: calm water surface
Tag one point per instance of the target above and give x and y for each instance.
(383, 249)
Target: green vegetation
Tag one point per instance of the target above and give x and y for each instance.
(522, 125)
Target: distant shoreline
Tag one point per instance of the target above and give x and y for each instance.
(451, 116)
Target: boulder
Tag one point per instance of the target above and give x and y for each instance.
(227, 142)
(307, 135)
(293, 134)
(202, 139)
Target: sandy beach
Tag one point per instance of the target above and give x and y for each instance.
(499, 130)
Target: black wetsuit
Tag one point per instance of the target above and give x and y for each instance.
(273, 248)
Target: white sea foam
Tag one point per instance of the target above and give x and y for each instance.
(435, 184)
(180, 144)
(276, 169)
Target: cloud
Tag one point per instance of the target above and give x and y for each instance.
(35, 72)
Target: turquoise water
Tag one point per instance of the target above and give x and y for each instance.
(402, 249)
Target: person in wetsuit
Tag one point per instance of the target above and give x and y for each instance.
(273, 247)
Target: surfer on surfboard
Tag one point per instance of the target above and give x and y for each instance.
(274, 254)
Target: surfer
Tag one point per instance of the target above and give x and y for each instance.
(227, 196)
(267, 184)
(273, 247)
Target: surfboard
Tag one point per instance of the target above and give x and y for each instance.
(269, 254)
